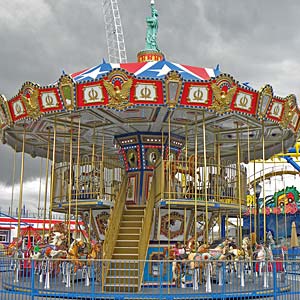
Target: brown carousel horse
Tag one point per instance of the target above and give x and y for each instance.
(196, 261)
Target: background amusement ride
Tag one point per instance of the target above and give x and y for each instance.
(150, 160)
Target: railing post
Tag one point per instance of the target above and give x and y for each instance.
(274, 280)
(93, 276)
(32, 279)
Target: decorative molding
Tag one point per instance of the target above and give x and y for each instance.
(66, 88)
(29, 95)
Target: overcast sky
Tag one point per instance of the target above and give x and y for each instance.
(255, 41)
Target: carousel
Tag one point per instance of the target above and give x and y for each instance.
(151, 157)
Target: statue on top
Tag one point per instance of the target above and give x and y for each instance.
(152, 28)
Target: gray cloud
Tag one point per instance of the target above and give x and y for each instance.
(255, 41)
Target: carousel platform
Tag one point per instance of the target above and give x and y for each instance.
(232, 289)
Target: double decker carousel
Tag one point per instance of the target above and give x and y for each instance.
(147, 155)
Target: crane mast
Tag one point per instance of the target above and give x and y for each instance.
(114, 32)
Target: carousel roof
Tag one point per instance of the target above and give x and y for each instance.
(150, 96)
(149, 70)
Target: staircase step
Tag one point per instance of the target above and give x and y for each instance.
(135, 207)
(128, 236)
(133, 212)
(120, 280)
(137, 224)
(120, 288)
(132, 218)
(127, 230)
(129, 250)
(126, 272)
(132, 256)
(127, 243)
(125, 265)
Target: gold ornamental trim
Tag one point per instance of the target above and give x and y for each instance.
(92, 94)
(118, 96)
(67, 91)
(173, 87)
(288, 111)
(148, 92)
(265, 97)
(198, 94)
(222, 99)
(29, 95)
(5, 115)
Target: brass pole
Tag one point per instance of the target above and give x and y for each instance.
(239, 182)
(13, 181)
(248, 183)
(256, 217)
(169, 183)
(63, 187)
(46, 184)
(77, 178)
(195, 178)
(40, 187)
(184, 227)
(102, 168)
(52, 174)
(186, 166)
(264, 190)
(90, 223)
(21, 183)
(205, 175)
(92, 188)
(162, 166)
(70, 181)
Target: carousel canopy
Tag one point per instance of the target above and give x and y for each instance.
(147, 70)
(153, 95)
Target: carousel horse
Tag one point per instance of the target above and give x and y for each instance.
(76, 251)
(246, 246)
(262, 256)
(197, 265)
(14, 246)
(95, 254)
(270, 240)
(178, 255)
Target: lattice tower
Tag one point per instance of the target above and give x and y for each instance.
(114, 32)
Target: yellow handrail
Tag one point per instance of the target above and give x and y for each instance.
(111, 233)
(147, 222)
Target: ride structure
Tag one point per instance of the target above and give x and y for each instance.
(148, 154)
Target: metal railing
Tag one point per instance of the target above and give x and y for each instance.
(148, 218)
(189, 279)
(184, 180)
(114, 223)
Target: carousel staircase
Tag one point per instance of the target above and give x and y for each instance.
(123, 269)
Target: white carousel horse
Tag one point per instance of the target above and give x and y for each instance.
(263, 255)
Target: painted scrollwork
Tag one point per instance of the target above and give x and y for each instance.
(66, 88)
(29, 96)
(5, 118)
(223, 92)
(290, 102)
(265, 97)
(118, 88)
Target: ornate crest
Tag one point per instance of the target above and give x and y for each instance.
(118, 88)
(223, 92)
(265, 97)
(29, 96)
(4, 112)
(173, 88)
(288, 111)
(66, 88)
